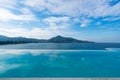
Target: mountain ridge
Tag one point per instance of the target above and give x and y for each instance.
(56, 39)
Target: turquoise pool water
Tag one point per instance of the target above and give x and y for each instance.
(60, 63)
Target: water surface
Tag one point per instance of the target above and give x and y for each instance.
(62, 46)
(59, 63)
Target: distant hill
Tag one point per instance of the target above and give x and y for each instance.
(60, 39)
(57, 39)
(18, 39)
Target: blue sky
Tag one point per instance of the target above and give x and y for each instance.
(94, 20)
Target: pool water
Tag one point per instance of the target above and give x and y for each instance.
(59, 63)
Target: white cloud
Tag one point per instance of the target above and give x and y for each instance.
(83, 25)
(56, 19)
(40, 33)
(6, 15)
(8, 4)
(8, 8)
(38, 4)
(72, 8)
(75, 8)
(83, 22)
(76, 20)
(35, 32)
(111, 19)
(57, 22)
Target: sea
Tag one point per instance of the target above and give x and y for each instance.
(60, 60)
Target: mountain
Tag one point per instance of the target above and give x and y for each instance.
(60, 39)
(18, 39)
(3, 38)
(57, 39)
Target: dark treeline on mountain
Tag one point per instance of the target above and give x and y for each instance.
(60, 39)
(12, 42)
(57, 39)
